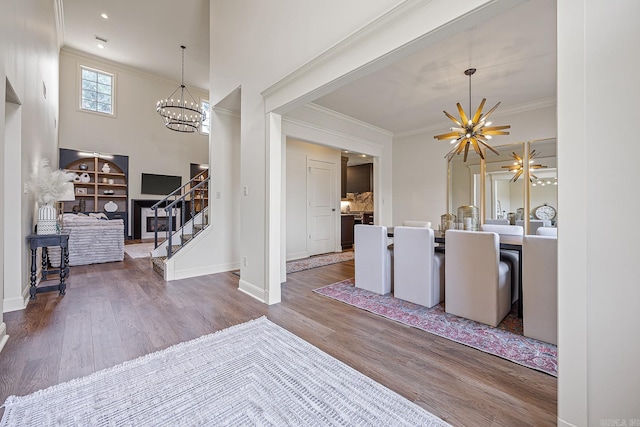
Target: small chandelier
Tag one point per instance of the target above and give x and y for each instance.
(181, 114)
(472, 131)
(518, 166)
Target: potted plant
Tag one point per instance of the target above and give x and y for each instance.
(48, 186)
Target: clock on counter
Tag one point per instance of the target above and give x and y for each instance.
(545, 212)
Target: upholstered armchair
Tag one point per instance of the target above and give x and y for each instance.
(418, 270)
(540, 288)
(372, 258)
(477, 283)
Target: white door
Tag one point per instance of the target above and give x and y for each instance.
(321, 207)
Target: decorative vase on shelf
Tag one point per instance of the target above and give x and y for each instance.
(85, 177)
(47, 220)
(106, 168)
(84, 167)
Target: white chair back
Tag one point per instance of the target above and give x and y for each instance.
(418, 270)
(512, 257)
(372, 258)
(408, 223)
(540, 288)
(477, 283)
(497, 221)
(506, 230)
(547, 231)
(534, 224)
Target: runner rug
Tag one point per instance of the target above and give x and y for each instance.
(139, 250)
(505, 341)
(255, 373)
(314, 261)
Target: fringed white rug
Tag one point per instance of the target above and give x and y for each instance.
(255, 373)
(139, 250)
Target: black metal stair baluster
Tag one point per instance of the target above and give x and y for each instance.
(169, 231)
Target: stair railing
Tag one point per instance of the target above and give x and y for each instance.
(190, 194)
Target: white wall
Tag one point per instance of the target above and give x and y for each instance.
(29, 63)
(598, 269)
(136, 131)
(420, 168)
(254, 60)
(296, 196)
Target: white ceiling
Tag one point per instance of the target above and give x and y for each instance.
(514, 52)
(145, 34)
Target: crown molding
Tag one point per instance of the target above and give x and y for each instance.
(341, 135)
(58, 10)
(514, 109)
(226, 112)
(78, 54)
(343, 117)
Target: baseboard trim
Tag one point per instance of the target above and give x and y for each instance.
(252, 290)
(297, 255)
(203, 271)
(562, 423)
(15, 304)
(3, 335)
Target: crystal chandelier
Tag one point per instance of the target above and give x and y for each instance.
(473, 131)
(181, 114)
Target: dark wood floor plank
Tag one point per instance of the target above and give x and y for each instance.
(118, 311)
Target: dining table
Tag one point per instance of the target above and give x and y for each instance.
(507, 242)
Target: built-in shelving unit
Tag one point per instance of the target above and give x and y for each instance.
(97, 186)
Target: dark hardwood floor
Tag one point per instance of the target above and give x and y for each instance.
(118, 311)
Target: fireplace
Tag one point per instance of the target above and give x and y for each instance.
(147, 222)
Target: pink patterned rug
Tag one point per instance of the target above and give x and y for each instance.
(505, 341)
(315, 261)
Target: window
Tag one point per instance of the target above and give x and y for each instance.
(96, 91)
(206, 123)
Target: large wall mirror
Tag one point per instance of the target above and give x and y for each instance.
(504, 197)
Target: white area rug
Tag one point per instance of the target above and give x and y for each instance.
(255, 373)
(139, 250)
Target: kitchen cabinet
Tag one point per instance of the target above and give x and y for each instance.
(360, 178)
(343, 177)
(347, 223)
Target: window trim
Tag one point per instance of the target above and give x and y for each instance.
(114, 79)
(209, 114)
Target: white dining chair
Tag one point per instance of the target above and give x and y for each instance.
(372, 258)
(496, 221)
(547, 231)
(540, 288)
(477, 283)
(534, 224)
(418, 270)
(512, 257)
(411, 223)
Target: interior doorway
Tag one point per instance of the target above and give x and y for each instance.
(321, 203)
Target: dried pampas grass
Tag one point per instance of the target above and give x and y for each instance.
(48, 185)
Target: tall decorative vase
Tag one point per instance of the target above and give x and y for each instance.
(47, 220)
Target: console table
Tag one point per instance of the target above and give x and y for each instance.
(43, 241)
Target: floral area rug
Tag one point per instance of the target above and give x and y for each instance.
(505, 341)
(315, 261)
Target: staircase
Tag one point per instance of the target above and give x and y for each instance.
(193, 203)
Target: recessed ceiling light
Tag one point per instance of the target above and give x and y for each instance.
(363, 155)
(104, 15)
(100, 46)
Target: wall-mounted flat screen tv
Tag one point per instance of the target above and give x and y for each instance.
(160, 184)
